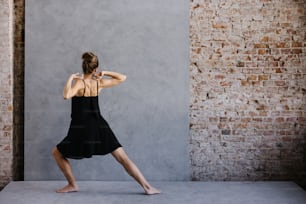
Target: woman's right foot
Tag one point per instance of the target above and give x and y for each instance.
(152, 191)
(67, 189)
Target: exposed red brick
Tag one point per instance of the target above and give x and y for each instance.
(225, 83)
(219, 76)
(252, 78)
(263, 77)
(291, 119)
(280, 83)
(10, 108)
(7, 148)
(223, 119)
(7, 128)
(265, 39)
(297, 44)
(256, 83)
(262, 51)
(263, 113)
(286, 51)
(267, 119)
(278, 70)
(219, 25)
(213, 119)
(246, 120)
(240, 64)
(273, 64)
(280, 120)
(286, 139)
(281, 45)
(244, 83)
(248, 58)
(297, 51)
(286, 107)
(261, 45)
(257, 119)
(261, 107)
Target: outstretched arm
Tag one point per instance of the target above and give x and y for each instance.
(116, 79)
(71, 89)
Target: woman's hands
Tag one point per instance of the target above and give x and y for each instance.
(99, 75)
(76, 76)
(71, 89)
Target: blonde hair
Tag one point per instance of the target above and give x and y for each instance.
(90, 62)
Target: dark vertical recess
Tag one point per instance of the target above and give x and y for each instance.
(18, 90)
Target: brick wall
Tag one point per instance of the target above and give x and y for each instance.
(6, 91)
(248, 89)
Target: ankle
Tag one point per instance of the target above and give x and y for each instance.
(147, 187)
(73, 184)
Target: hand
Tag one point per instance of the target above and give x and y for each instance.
(99, 75)
(76, 76)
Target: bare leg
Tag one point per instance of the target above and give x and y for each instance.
(133, 171)
(65, 167)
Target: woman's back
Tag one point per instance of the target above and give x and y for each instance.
(91, 88)
(85, 104)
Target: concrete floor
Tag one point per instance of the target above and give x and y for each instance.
(100, 192)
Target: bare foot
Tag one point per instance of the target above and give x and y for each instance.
(152, 191)
(68, 188)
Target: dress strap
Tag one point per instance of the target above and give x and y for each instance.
(84, 87)
(97, 88)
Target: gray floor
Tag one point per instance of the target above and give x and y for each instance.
(101, 192)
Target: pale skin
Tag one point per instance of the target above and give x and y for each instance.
(75, 87)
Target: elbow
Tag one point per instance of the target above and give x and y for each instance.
(66, 94)
(123, 78)
(66, 97)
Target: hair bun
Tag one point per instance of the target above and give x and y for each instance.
(87, 56)
(90, 62)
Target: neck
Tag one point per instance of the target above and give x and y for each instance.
(88, 76)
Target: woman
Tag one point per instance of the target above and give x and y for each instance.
(89, 134)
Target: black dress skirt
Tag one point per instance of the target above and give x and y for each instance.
(89, 133)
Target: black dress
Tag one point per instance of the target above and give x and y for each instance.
(89, 133)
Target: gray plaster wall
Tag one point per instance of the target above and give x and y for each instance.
(146, 40)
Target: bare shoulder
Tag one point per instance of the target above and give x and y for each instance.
(101, 82)
(79, 82)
